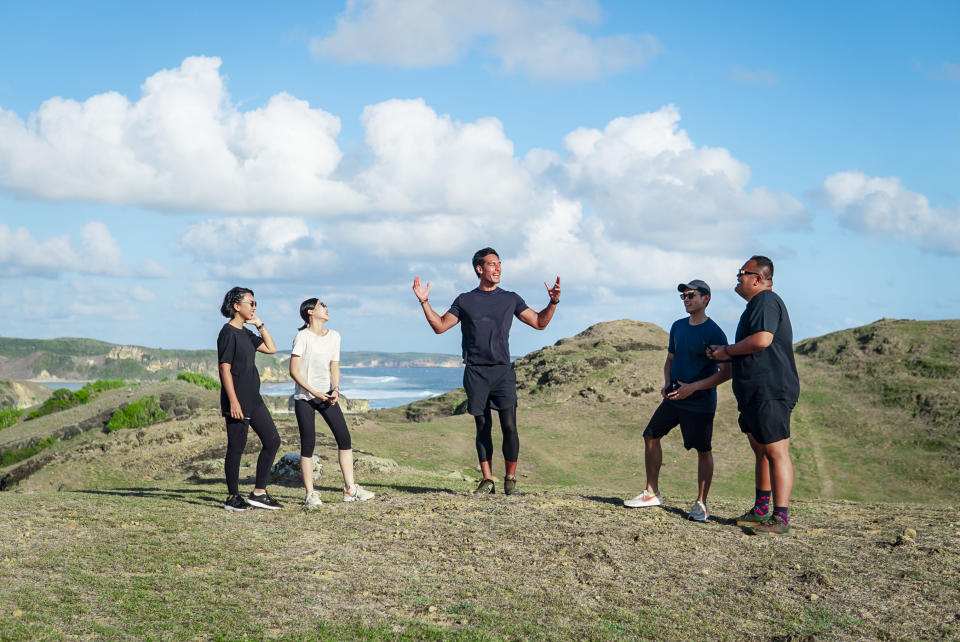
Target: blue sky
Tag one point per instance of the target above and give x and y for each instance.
(153, 157)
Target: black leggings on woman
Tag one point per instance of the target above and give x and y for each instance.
(306, 422)
(262, 424)
(508, 425)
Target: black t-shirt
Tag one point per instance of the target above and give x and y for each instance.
(239, 349)
(772, 372)
(485, 320)
(688, 345)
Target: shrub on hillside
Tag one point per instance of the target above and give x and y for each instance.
(106, 384)
(201, 380)
(138, 414)
(9, 416)
(61, 399)
(19, 454)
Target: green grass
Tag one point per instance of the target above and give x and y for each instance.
(19, 454)
(140, 413)
(10, 416)
(201, 380)
(63, 398)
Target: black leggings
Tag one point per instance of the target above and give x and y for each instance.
(306, 422)
(262, 424)
(508, 425)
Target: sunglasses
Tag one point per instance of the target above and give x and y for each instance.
(689, 295)
(252, 303)
(741, 272)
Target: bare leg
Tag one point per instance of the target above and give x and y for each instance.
(306, 471)
(762, 468)
(704, 474)
(346, 467)
(511, 467)
(781, 466)
(652, 459)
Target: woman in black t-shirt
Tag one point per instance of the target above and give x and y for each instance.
(240, 400)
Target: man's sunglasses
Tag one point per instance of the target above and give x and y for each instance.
(688, 295)
(741, 272)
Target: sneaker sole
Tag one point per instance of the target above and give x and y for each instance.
(642, 505)
(770, 533)
(697, 519)
(257, 504)
(234, 509)
(348, 498)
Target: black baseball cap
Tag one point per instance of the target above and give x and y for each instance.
(696, 284)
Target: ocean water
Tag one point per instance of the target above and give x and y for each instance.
(386, 387)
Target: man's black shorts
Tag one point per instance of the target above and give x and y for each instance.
(490, 387)
(696, 427)
(768, 421)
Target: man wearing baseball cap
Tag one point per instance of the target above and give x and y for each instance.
(689, 398)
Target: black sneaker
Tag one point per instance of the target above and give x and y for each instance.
(509, 484)
(235, 504)
(485, 487)
(263, 501)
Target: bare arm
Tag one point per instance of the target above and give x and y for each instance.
(226, 380)
(268, 346)
(714, 380)
(667, 367)
(438, 323)
(752, 344)
(334, 395)
(540, 320)
(295, 360)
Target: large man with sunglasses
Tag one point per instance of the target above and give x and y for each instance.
(689, 392)
(767, 387)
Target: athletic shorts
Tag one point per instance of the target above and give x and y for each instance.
(768, 421)
(493, 387)
(696, 427)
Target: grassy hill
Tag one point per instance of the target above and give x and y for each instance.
(122, 534)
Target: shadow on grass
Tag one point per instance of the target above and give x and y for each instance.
(613, 501)
(415, 490)
(180, 494)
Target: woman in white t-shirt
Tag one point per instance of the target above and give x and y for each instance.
(315, 367)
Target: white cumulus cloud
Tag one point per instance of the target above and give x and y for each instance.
(537, 38)
(182, 146)
(883, 206)
(648, 182)
(258, 248)
(95, 252)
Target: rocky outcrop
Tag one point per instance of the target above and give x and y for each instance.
(22, 394)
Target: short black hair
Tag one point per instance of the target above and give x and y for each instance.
(764, 265)
(233, 296)
(479, 255)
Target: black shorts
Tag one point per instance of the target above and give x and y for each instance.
(768, 421)
(492, 387)
(696, 427)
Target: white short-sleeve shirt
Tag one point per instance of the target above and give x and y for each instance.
(315, 354)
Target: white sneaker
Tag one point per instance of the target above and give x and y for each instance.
(699, 512)
(357, 493)
(646, 498)
(313, 499)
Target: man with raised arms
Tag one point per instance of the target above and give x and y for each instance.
(486, 314)
(767, 387)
